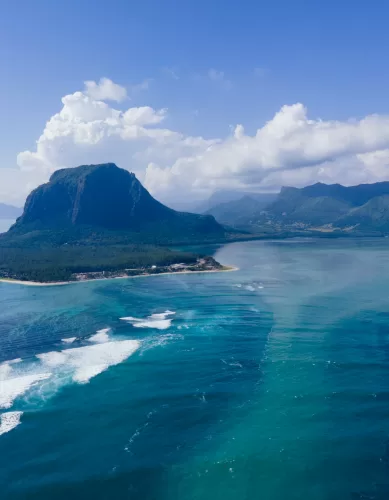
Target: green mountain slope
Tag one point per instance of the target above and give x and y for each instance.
(241, 212)
(361, 209)
(355, 209)
(292, 206)
(373, 214)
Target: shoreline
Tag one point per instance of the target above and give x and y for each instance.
(61, 283)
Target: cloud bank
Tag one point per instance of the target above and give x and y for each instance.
(290, 149)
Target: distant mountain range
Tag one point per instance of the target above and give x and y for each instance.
(362, 209)
(9, 211)
(217, 197)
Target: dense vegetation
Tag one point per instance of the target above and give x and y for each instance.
(59, 263)
(163, 234)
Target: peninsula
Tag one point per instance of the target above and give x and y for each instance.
(98, 222)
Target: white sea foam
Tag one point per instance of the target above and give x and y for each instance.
(250, 288)
(14, 361)
(160, 340)
(53, 358)
(160, 321)
(9, 421)
(162, 324)
(162, 315)
(87, 362)
(5, 369)
(100, 336)
(13, 387)
(236, 363)
(69, 340)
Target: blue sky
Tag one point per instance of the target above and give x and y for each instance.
(211, 64)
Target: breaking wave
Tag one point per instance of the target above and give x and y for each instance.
(160, 321)
(40, 376)
(100, 336)
(79, 364)
(88, 361)
(12, 386)
(9, 421)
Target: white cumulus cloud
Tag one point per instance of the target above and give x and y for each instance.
(105, 90)
(290, 149)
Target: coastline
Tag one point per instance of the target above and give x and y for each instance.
(146, 275)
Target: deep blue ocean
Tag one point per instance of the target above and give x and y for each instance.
(268, 383)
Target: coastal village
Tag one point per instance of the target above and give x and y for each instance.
(204, 264)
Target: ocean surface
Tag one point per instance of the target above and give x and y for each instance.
(271, 382)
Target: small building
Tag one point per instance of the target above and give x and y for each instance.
(177, 266)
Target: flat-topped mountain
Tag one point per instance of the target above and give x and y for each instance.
(107, 198)
(98, 195)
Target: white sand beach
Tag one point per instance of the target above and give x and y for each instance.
(146, 275)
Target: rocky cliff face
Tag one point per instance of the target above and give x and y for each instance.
(108, 197)
(97, 195)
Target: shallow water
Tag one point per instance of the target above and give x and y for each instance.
(267, 383)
